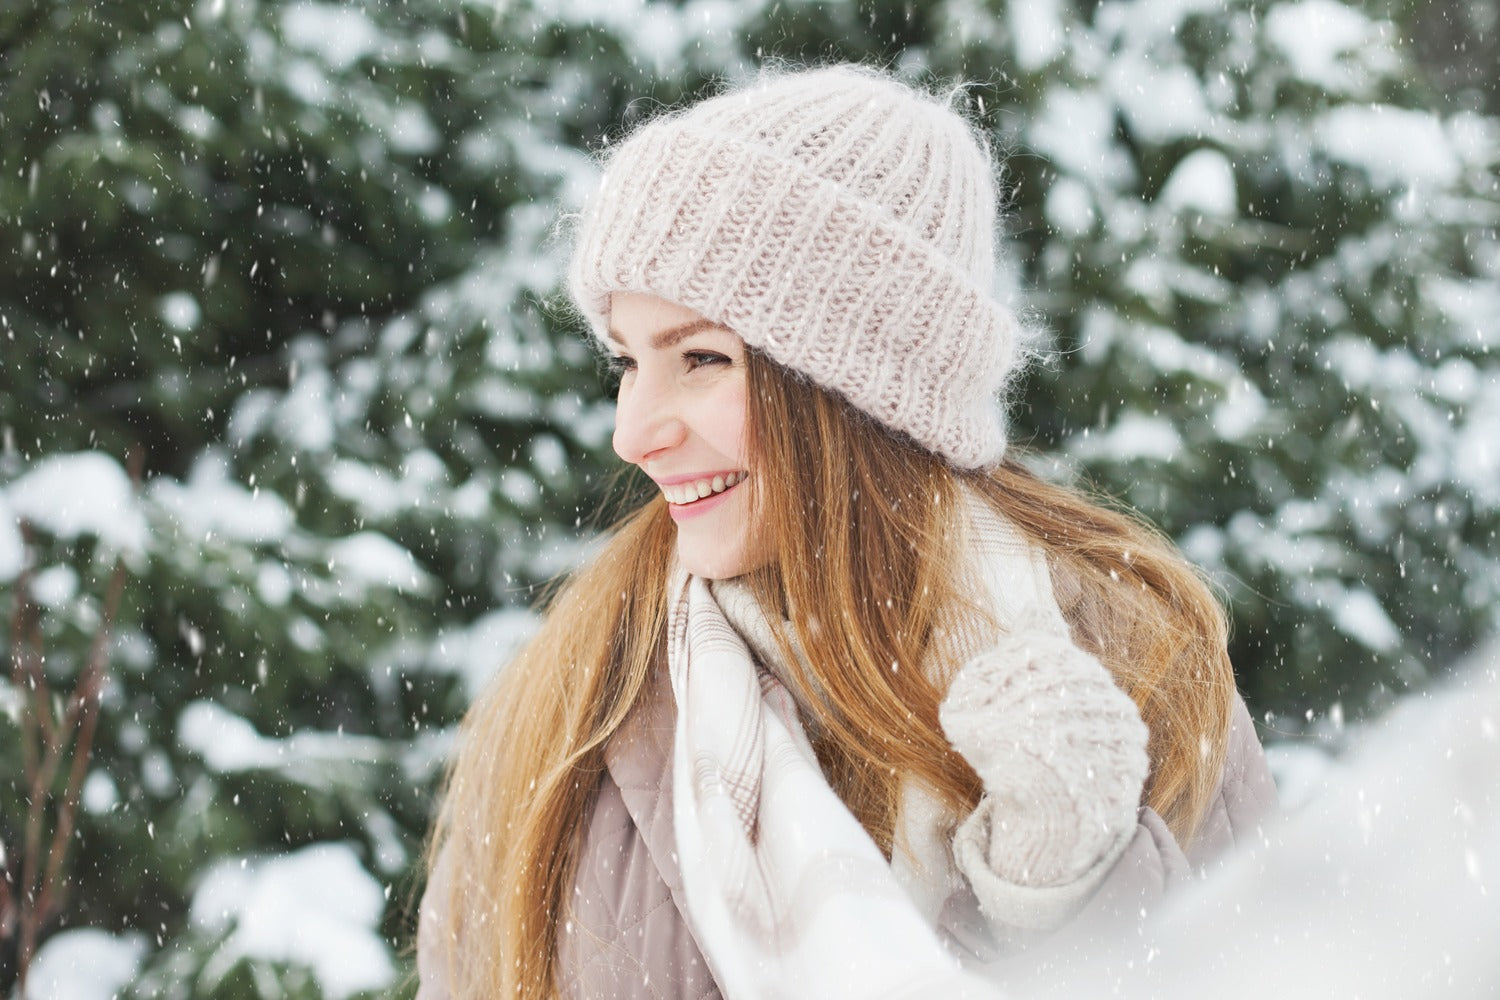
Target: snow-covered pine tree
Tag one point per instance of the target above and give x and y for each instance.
(1266, 247)
(304, 255)
(1268, 252)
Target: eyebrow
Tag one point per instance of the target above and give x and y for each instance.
(672, 335)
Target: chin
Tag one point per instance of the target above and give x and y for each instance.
(722, 564)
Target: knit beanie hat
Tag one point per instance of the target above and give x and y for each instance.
(838, 221)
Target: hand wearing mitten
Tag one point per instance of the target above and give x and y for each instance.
(1061, 751)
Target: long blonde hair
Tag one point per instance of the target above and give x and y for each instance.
(861, 526)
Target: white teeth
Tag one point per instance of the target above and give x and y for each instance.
(685, 493)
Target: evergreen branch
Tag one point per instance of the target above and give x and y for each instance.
(7, 898)
(25, 656)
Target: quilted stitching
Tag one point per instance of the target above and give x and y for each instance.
(626, 936)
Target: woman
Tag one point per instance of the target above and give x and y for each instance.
(857, 703)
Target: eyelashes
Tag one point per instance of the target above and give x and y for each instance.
(700, 359)
(616, 365)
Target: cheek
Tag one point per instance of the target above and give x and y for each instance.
(616, 442)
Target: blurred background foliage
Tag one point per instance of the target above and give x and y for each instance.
(305, 258)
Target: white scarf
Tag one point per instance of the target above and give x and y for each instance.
(787, 893)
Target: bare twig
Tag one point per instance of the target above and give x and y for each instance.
(86, 696)
(37, 729)
(40, 893)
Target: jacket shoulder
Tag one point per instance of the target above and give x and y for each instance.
(1246, 797)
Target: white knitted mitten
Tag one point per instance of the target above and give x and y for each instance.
(1062, 754)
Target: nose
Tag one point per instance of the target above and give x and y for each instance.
(646, 421)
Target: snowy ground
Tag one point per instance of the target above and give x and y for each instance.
(1384, 883)
(1383, 880)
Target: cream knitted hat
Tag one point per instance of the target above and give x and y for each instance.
(838, 221)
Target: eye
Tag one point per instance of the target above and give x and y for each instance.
(698, 359)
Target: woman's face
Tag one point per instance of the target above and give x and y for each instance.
(681, 418)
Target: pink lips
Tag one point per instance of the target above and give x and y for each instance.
(686, 511)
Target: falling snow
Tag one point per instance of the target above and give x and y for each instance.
(308, 258)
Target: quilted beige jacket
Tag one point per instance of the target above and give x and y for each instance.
(627, 937)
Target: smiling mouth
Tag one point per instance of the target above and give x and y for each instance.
(683, 494)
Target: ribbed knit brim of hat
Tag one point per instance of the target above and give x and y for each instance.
(838, 221)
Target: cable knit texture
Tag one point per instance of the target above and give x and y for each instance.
(839, 221)
(1061, 751)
